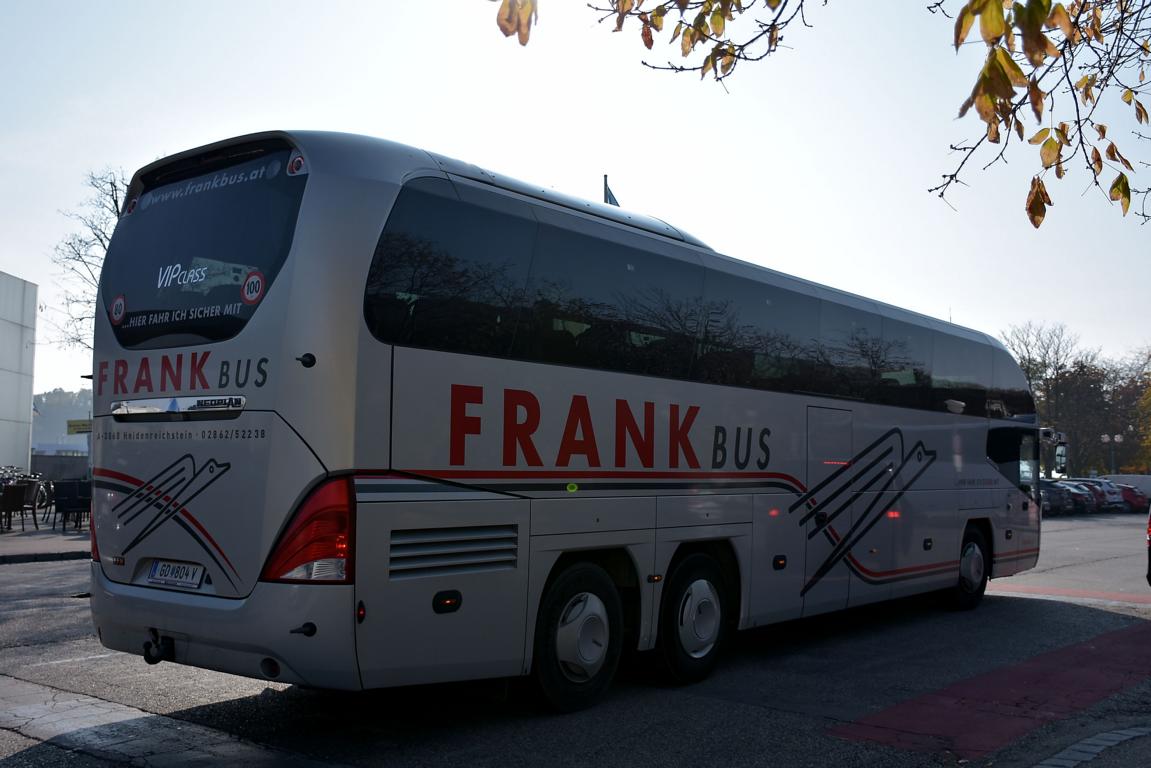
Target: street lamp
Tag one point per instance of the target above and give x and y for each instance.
(1110, 441)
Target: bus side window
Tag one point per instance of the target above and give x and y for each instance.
(905, 365)
(1010, 395)
(755, 334)
(450, 268)
(601, 298)
(960, 375)
(846, 359)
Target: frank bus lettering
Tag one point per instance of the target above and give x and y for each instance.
(180, 372)
(628, 442)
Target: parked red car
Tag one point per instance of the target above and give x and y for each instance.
(1134, 498)
(1097, 493)
(1082, 498)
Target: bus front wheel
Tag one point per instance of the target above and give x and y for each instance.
(692, 621)
(579, 636)
(974, 567)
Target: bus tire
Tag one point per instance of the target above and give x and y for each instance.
(579, 636)
(693, 619)
(974, 565)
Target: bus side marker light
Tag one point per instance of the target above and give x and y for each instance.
(361, 612)
(448, 601)
(893, 514)
(779, 562)
(928, 544)
(655, 578)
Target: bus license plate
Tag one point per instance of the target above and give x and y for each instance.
(175, 574)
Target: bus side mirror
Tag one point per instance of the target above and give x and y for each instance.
(1061, 459)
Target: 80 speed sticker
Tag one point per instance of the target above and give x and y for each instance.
(118, 310)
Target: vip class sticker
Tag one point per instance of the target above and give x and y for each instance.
(119, 309)
(253, 288)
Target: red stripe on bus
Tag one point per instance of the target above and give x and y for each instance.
(587, 474)
(899, 571)
(880, 575)
(978, 716)
(184, 513)
(1018, 555)
(188, 516)
(116, 476)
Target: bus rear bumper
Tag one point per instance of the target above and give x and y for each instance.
(264, 635)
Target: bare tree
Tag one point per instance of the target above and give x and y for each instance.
(1053, 363)
(1087, 397)
(1045, 353)
(80, 256)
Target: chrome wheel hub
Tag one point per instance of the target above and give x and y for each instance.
(971, 567)
(699, 619)
(582, 637)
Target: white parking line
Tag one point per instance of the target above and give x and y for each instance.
(69, 661)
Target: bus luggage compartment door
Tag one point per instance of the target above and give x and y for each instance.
(443, 585)
(829, 515)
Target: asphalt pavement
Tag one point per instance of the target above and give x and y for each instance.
(1053, 671)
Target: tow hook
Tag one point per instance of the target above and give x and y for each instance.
(159, 648)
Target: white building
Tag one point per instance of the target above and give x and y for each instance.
(17, 355)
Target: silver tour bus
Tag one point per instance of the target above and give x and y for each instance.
(368, 416)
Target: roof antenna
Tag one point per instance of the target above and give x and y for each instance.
(608, 197)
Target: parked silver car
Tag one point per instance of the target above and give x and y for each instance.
(1113, 497)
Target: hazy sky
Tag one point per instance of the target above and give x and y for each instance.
(814, 162)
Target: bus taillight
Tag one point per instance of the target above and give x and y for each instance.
(317, 545)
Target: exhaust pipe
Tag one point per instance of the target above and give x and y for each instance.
(158, 648)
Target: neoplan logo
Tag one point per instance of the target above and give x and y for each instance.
(175, 273)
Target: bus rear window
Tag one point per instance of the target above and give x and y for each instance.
(192, 259)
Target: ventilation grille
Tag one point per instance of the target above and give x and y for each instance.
(449, 551)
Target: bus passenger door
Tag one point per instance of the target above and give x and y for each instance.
(1014, 452)
(1031, 515)
(443, 583)
(828, 514)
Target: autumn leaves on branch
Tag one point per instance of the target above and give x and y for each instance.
(1051, 36)
(1083, 50)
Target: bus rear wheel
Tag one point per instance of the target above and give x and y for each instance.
(974, 568)
(693, 620)
(579, 636)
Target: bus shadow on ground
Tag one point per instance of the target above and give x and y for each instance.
(806, 674)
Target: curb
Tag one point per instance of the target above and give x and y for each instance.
(44, 557)
(116, 734)
(1088, 749)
